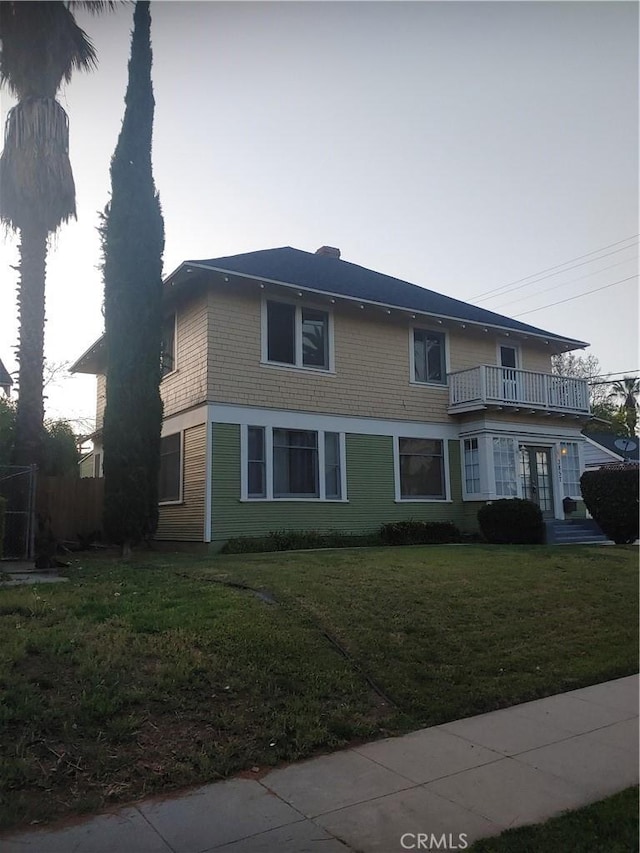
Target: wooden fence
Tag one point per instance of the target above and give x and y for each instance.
(70, 506)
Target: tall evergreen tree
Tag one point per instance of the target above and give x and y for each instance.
(133, 243)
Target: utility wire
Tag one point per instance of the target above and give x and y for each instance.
(548, 269)
(615, 373)
(562, 284)
(579, 296)
(558, 272)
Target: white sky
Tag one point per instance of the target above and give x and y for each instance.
(459, 146)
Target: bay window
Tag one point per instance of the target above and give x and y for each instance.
(471, 466)
(570, 466)
(504, 465)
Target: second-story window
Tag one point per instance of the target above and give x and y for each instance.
(297, 335)
(168, 351)
(429, 360)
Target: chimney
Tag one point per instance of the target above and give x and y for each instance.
(329, 251)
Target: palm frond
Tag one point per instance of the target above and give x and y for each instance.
(42, 45)
(94, 7)
(36, 182)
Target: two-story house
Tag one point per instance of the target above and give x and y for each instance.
(303, 392)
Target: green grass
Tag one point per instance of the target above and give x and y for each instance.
(130, 680)
(610, 826)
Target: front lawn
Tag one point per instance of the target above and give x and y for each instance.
(130, 680)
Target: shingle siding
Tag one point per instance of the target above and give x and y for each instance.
(188, 385)
(372, 365)
(342, 278)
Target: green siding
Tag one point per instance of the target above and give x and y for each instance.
(470, 516)
(370, 492)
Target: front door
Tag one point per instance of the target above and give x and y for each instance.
(535, 472)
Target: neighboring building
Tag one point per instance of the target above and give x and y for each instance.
(5, 380)
(604, 448)
(305, 392)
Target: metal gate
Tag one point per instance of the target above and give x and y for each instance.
(18, 486)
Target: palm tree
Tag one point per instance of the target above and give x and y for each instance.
(628, 389)
(42, 45)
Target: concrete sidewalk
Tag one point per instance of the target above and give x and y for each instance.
(465, 780)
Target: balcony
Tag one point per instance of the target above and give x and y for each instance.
(487, 386)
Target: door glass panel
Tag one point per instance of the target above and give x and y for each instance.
(544, 480)
(525, 475)
(508, 357)
(535, 477)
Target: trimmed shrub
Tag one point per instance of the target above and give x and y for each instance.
(419, 533)
(611, 496)
(3, 507)
(511, 521)
(294, 540)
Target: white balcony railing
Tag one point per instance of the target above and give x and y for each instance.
(507, 386)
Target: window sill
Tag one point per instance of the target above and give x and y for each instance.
(423, 501)
(167, 375)
(416, 384)
(320, 371)
(294, 500)
(171, 503)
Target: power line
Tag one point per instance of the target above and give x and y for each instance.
(579, 296)
(558, 272)
(562, 284)
(614, 373)
(613, 381)
(548, 269)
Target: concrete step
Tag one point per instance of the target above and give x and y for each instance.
(577, 531)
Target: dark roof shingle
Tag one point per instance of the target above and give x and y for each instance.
(330, 275)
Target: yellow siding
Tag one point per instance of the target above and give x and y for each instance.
(186, 387)
(185, 521)
(372, 374)
(536, 359)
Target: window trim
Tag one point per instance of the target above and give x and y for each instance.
(502, 342)
(412, 357)
(180, 499)
(268, 447)
(479, 449)
(396, 472)
(264, 336)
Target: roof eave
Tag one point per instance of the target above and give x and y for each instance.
(544, 337)
(91, 353)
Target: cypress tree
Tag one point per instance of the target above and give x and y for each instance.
(133, 242)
